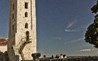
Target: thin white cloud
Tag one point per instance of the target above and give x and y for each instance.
(68, 27)
(74, 41)
(88, 50)
(71, 30)
(85, 50)
(71, 24)
(71, 27)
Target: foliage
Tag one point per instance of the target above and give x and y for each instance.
(91, 35)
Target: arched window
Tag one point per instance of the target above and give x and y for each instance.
(26, 25)
(26, 14)
(27, 35)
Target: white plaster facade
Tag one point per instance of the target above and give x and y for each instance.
(22, 29)
(3, 48)
(3, 45)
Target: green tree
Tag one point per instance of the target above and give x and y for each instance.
(91, 35)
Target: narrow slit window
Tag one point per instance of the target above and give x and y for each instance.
(26, 14)
(13, 28)
(26, 5)
(27, 36)
(26, 25)
(12, 16)
(13, 6)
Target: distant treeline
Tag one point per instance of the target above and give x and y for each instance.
(72, 58)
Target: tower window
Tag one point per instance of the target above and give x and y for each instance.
(27, 35)
(13, 6)
(12, 16)
(26, 25)
(13, 27)
(26, 14)
(26, 5)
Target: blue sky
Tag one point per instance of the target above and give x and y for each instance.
(61, 25)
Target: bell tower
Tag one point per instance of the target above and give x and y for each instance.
(22, 30)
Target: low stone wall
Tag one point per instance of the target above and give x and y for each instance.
(4, 56)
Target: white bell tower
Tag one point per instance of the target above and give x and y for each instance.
(22, 30)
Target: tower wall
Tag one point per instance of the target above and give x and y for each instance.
(22, 29)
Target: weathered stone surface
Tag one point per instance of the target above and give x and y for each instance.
(22, 28)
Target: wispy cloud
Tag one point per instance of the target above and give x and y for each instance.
(74, 26)
(88, 49)
(74, 41)
(85, 50)
(71, 30)
(71, 24)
